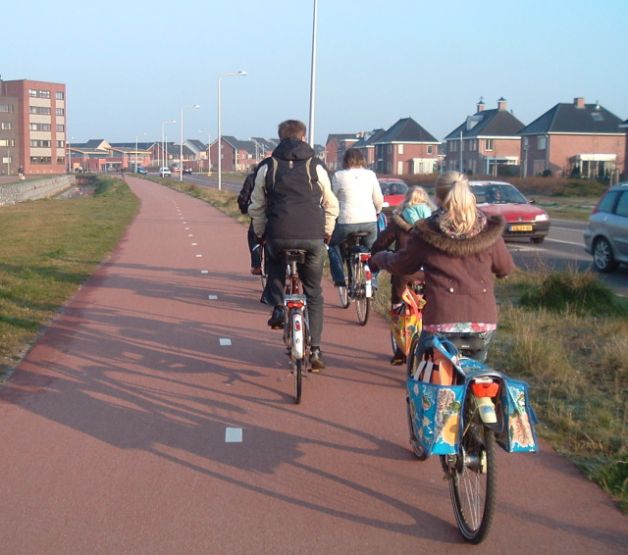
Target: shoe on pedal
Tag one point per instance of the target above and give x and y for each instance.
(276, 321)
(256, 271)
(316, 360)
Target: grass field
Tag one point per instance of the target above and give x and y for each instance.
(49, 248)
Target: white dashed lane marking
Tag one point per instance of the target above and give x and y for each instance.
(199, 256)
(204, 271)
(233, 435)
(225, 342)
(212, 297)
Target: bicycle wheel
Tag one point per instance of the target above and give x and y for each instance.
(343, 296)
(362, 302)
(472, 479)
(298, 379)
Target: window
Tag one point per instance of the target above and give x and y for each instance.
(60, 128)
(61, 160)
(488, 144)
(38, 93)
(39, 127)
(7, 142)
(430, 149)
(541, 143)
(399, 149)
(622, 205)
(6, 125)
(7, 108)
(60, 144)
(59, 95)
(607, 203)
(39, 110)
(38, 143)
(60, 111)
(453, 146)
(40, 160)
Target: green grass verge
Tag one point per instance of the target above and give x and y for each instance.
(568, 338)
(50, 248)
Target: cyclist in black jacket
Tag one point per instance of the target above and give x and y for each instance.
(293, 207)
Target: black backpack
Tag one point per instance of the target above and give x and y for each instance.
(244, 198)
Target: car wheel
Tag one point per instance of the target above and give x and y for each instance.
(603, 259)
(537, 240)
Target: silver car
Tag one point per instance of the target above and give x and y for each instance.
(606, 237)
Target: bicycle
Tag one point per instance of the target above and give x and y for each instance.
(460, 409)
(359, 287)
(296, 331)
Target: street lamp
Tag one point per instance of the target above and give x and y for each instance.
(163, 142)
(194, 107)
(313, 77)
(240, 73)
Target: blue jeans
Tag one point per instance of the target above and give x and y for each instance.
(310, 272)
(341, 232)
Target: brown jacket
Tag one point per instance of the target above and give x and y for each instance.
(459, 282)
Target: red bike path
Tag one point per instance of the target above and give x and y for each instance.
(113, 428)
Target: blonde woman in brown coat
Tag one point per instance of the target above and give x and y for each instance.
(461, 252)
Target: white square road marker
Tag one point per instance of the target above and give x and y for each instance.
(199, 256)
(225, 342)
(195, 244)
(233, 435)
(204, 271)
(212, 297)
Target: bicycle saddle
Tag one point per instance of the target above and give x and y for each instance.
(294, 255)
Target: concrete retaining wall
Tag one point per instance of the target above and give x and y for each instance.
(11, 193)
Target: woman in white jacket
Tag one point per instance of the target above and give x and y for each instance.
(360, 199)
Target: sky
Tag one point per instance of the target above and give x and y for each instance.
(131, 65)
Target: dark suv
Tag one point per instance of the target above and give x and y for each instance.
(606, 237)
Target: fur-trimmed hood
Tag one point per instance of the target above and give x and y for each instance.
(430, 232)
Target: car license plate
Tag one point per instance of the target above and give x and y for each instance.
(521, 227)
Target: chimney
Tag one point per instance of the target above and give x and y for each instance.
(502, 104)
(480, 105)
(578, 102)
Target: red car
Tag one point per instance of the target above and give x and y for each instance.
(523, 219)
(394, 191)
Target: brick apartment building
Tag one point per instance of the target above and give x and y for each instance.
(32, 127)
(576, 139)
(336, 146)
(487, 143)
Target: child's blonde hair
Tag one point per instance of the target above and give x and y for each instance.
(458, 202)
(414, 195)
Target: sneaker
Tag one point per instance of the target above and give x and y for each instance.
(256, 271)
(276, 321)
(316, 360)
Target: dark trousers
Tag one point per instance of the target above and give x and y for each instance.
(310, 272)
(256, 259)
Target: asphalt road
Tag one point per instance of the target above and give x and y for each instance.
(155, 416)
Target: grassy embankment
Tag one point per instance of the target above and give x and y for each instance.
(49, 248)
(567, 335)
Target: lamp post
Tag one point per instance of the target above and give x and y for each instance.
(240, 73)
(163, 143)
(313, 77)
(136, 149)
(69, 144)
(194, 107)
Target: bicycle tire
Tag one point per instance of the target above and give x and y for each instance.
(343, 296)
(362, 302)
(298, 379)
(473, 479)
